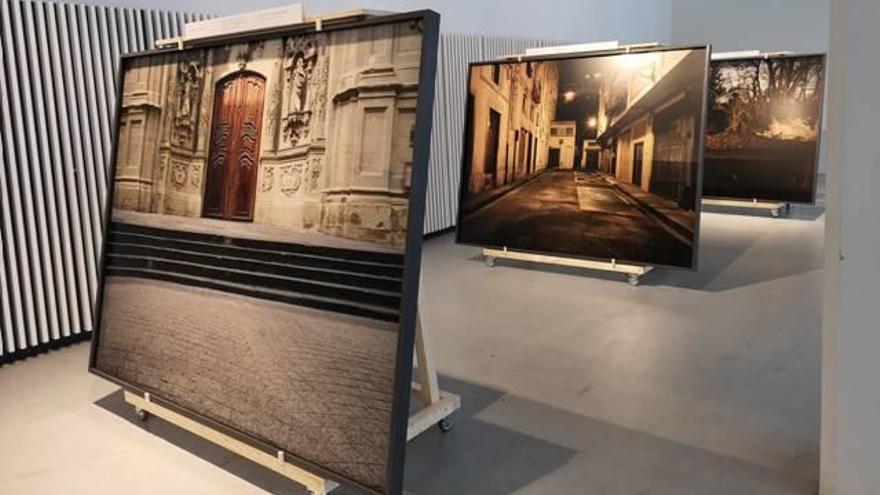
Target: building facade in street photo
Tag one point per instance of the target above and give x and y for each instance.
(561, 145)
(515, 104)
(618, 176)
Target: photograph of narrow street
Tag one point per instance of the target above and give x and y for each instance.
(594, 157)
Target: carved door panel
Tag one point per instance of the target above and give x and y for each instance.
(230, 185)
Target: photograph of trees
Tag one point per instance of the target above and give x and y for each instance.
(763, 128)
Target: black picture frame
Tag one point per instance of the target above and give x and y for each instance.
(430, 22)
(820, 116)
(462, 187)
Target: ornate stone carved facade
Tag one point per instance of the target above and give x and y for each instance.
(268, 179)
(301, 58)
(189, 86)
(196, 175)
(334, 154)
(178, 174)
(291, 178)
(316, 164)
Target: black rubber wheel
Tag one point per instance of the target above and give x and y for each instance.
(141, 414)
(446, 424)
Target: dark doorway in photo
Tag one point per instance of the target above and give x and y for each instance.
(553, 158)
(491, 165)
(638, 160)
(231, 179)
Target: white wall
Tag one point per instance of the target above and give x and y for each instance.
(851, 326)
(769, 25)
(576, 20)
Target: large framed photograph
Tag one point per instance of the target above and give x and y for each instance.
(762, 136)
(590, 155)
(264, 233)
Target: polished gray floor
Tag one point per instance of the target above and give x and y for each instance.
(700, 382)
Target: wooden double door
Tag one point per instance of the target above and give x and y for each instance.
(234, 153)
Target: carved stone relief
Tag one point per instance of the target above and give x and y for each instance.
(196, 175)
(305, 87)
(178, 174)
(316, 165)
(244, 57)
(291, 178)
(318, 90)
(268, 179)
(190, 77)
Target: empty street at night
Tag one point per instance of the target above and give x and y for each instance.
(571, 212)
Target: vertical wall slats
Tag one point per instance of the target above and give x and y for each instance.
(15, 337)
(65, 279)
(49, 232)
(65, 127)
(22, 203)
(58, 66)
(39, 227)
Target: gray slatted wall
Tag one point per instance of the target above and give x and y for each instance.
(57, 101)
(456, 51)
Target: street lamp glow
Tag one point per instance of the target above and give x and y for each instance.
(568, 96)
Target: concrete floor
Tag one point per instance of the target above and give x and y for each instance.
(694, 383)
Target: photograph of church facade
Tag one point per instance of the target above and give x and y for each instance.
(254, 263)
(762, 135)
(617, 172)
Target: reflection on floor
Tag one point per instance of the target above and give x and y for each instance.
(692, 383)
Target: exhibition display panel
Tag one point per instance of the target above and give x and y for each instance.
(264, 238)
(764, 122)
(592, 155)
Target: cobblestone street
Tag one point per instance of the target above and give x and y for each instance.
(315, 383)
(555, 213)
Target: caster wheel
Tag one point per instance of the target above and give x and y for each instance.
(633, 279)
(490, 261)
(446, 424)
(141, 414)
(775, 213)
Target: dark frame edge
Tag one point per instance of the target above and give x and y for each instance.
(413, 253)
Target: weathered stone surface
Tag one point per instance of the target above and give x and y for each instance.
(316, 384)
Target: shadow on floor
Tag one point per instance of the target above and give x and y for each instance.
(716, 254)
(232, 463)
(437, 463)
(477, 456)
(504, 444)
